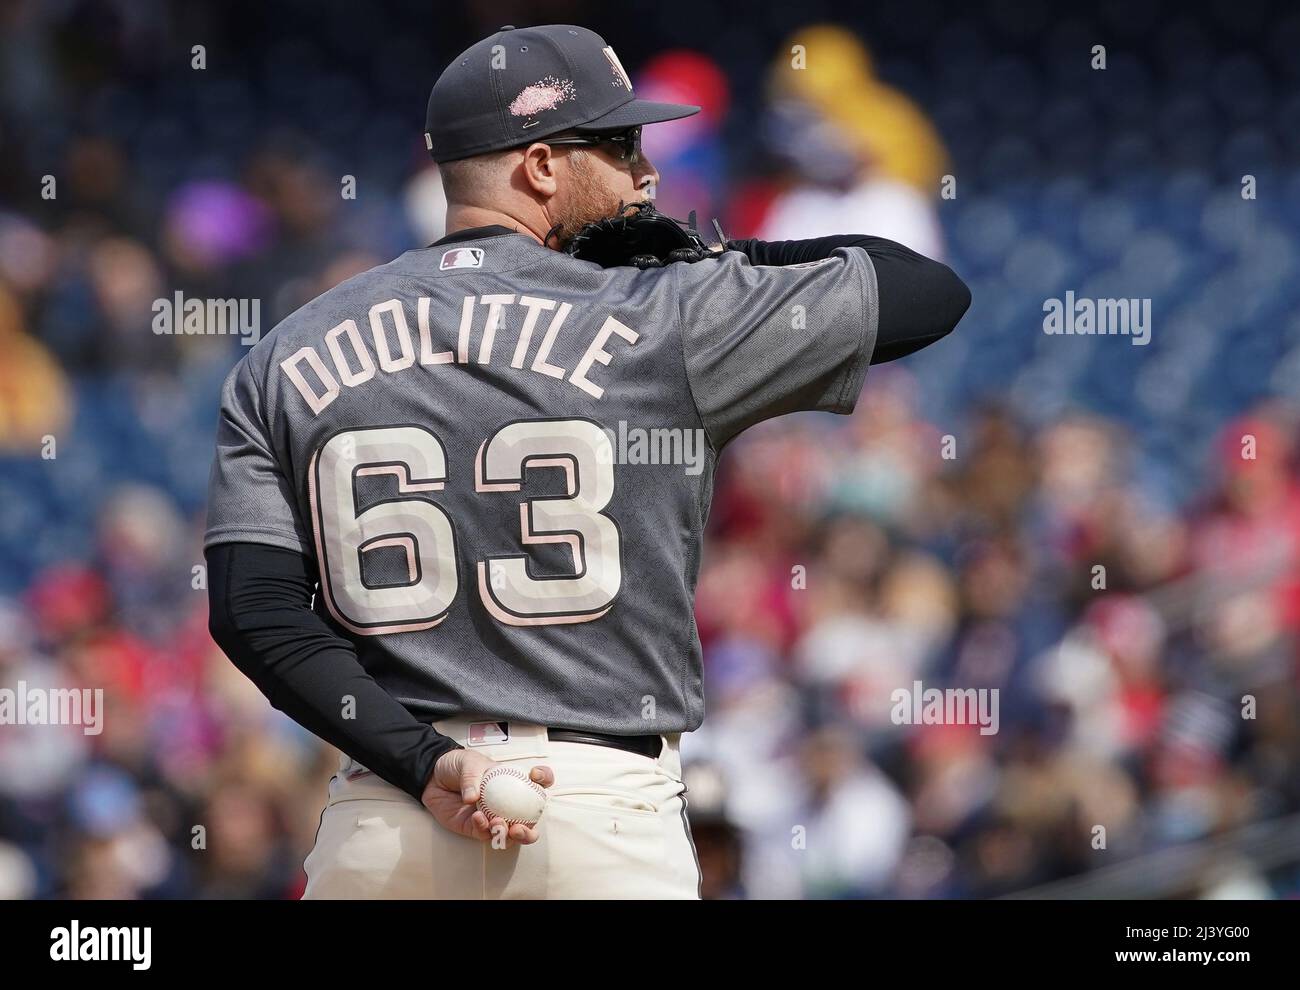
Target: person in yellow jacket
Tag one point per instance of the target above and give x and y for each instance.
(861, 152)
(830, 69)
(34, 400)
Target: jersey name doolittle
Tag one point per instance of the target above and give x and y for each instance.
(350, 355)
(439, 439)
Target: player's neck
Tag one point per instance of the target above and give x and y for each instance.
(463, 217)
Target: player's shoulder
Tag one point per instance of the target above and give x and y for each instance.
(313, 319)
(305, 326)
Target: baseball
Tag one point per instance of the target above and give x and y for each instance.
(509, 793)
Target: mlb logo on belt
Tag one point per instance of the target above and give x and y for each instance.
(461, 258)
(488, 733)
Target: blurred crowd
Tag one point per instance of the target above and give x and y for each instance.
(1106, 534)
(1124, 638)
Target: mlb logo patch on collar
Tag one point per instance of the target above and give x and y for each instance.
(488, 733)
(461, 258)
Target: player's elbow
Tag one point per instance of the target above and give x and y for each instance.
(222, 626)
(952, 298)
(224, 623)
(235, 641)
(919, 310)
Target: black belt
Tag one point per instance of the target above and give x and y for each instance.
(650, 746)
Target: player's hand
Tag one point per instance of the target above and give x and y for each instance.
(452, 797)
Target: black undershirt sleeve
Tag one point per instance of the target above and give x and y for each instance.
(920, 300)
(259, 613)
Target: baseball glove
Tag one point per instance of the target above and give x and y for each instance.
(639, 236)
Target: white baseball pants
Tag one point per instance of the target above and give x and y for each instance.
(614, 827)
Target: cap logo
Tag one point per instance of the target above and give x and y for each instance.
(461, 258)
(621, 78)
(545, 94)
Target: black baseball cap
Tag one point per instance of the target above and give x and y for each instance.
(525, 84)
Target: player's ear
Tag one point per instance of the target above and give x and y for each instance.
(539, 170)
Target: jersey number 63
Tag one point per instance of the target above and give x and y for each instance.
(423, 532)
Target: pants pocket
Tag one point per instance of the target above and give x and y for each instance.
(600, 845)
(596, 797)
(375, 848)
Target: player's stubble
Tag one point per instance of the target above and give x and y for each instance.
(589, 201)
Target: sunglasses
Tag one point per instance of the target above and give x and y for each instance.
(627, 142)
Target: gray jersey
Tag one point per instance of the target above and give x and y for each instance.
(501, 459)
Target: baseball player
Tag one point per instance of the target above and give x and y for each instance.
(425, 541)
